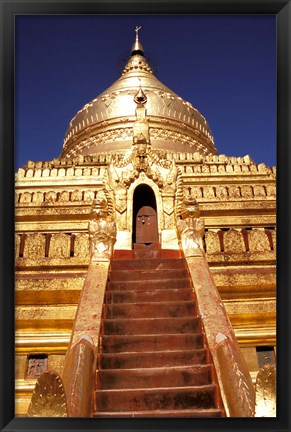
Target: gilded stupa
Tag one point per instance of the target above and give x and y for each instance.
(145, 265)
(106, 123)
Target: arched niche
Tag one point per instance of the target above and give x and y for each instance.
(144, 181)
(145, 219)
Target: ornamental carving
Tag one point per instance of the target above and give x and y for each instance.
(81, 246)
(236, 384)
(258, 241)
(208, 192)
(59, 246)
(120, 198)
(212, 242)
(25, 197)
(48, 397)
(234, 192)
(71, 283)
(102, 229)
(271, 191)
(46, 172)
(233, 241)
(34, 246)
(196, 192)
(266, 392)
(221, 192)
(190, 227)
(50, 196)
(38, 197)
(141, 159)
(259, 191)
(246, 191)
(64, 196)
(76, 195)
(89, 196)
(174, 136)
(36, 366)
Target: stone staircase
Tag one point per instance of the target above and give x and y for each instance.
(153, 360)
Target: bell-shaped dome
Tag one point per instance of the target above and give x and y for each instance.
(106, 123)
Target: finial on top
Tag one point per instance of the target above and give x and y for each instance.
(137, 46)
(137, 29)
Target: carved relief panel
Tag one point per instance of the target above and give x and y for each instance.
(221, 192)
(81, 248)
(25, 197)
(120, 193)
(233, 241)
(208, 192)
(168, 197)
(51, 196)
(59, 246)
(259, 191)
(234, 192)
(64, 196)
(34, 246)
(36, 365)
(89, 196)
(37, 197)
(258, 241)
(76, 195)
(246, 191)
(212, 242)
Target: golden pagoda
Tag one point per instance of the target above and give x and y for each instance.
(145, 265)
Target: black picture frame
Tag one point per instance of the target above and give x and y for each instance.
(8, 10)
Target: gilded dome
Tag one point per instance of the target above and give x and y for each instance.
(106, 123)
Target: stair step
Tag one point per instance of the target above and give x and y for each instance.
(155, 264)
(140, 326)
(153, 253)
(150, 359)
(147, 274)
(151, 310)
(156, 399)
(159, 342)
(154, 377)
(150, 284)
(153, 360)
(184, 413)
(141, 296)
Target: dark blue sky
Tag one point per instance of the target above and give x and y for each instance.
(224, 65)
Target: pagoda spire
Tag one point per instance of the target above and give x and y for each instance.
(137, 47)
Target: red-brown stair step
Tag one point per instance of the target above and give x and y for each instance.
(156, 264)
(159, 342)
(149, 310)
(141, 296)
(156, 399)
(147, 274)
(179, 413)
(178, 376)
(149, 284)
(152, 325)
(150, 359)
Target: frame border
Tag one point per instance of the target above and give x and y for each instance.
(8, 10)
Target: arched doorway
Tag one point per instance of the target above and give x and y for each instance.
(145, 221)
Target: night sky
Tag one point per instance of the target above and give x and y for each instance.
(224, 65)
